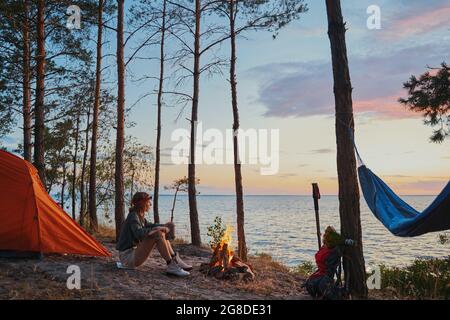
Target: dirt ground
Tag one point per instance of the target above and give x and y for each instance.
(100, 279)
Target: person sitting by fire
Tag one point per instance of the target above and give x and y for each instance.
(138, 237)
(321, 284)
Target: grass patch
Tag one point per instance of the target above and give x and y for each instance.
(264, 261)
(272, 278)
(423, 279)
(305, 269)
(106, 232)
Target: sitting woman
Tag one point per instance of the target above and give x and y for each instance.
(321, 284)
(138, 237)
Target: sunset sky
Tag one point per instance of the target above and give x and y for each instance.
(286, 84)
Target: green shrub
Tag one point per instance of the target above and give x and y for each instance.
(424, 279)
(305, 268)
(216, 232)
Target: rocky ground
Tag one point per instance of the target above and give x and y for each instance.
(100, 279)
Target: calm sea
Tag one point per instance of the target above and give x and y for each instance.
(284, 226)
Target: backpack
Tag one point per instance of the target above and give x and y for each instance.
(326, 287)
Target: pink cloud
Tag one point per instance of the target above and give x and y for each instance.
(421, 23)
(301, 89)
(385, 107)
(422, 187)
(416, 185)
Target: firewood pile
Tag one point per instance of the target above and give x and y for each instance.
(225, 265)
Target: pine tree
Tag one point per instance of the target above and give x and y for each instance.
(430, 95)
(354, 266)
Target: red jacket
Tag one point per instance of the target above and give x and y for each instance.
(327, 261)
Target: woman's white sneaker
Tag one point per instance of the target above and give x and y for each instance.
(181, 263)
(174, 269)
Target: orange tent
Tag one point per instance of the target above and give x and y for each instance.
(31, 221)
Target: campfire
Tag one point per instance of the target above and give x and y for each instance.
(224, 264)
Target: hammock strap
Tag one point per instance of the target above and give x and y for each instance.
(352, 137)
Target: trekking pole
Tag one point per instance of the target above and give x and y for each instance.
(316, 197)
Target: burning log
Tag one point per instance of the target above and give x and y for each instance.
(215, 257)
(225, 265)
(224, 256)
(215, 271)
(246, 269)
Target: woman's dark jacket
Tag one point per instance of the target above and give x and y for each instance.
(134, 230)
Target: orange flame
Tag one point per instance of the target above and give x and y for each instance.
(227, 239)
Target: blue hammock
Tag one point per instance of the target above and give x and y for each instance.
(399, 217)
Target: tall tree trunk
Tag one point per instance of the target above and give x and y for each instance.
(349, 210)
(74, 170)
(192, 192)
(63, 184)
(83, 170)
(173, 204)
(132, 183)
(119, 185)
(242, 246)
(39, 124)
(26, 84)
(158, 128)
(93, 160)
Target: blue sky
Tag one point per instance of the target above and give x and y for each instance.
(286, 84)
